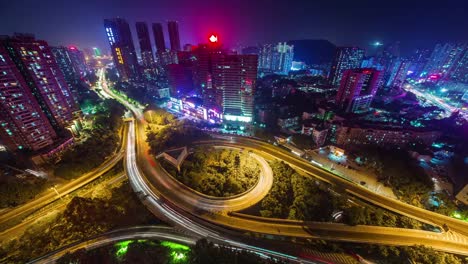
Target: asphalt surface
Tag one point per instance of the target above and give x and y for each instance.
(45, 199)
(170, 204)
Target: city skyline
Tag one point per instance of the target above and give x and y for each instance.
(234, 132)
(335, 22)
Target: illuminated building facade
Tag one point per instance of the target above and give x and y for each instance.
(23, 125)
(71, 75)
(35, 61)
(234, 78)
(460, 71)
(357, 89)
(398, 73)
(190, 107)
(123, 50)
(64, 62)
(145, 44)
(444, 59)
(96, 52)
(173, 28)
(383, 137)
(345, 58)
(205, 55)
(225, 81)
(372, 62)
(276, 58)
(78, 61)
(418, 62)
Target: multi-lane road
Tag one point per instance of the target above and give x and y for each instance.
(394, 205)
(168, 202)
(133, 233)
(154, 187)
(161, 233)
(210, 203)
(49, 197)
(434, 100)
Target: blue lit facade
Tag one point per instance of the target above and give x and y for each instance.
(121, 44)
(345, 58)
(276, 58)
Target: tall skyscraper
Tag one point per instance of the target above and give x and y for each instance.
(70, 73)
(418, 62)
(173, 28)
(78, 61)
(62, 57)
(444, 59)
(123, 50)
(35, 61)
(276, 58)
(96, 52)
(460, 70)
(23, 125)
(206, 55)
(345, 58)
(357, 89)
(159, 37)
(234, 78)
(145, 44)
(398, 73)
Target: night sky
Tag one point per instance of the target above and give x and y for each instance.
(245, 22)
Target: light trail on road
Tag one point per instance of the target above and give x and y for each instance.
(203, 227)
(145, 193)
(434, 100)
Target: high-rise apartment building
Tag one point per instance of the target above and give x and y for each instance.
(444, 59)
(145, 44)
(123, 50)
(173, 28)
(71, 61)
(357, 89)
(398, 73)
(78, 61)
(276, 58)
(68, 68)
(234, 78)
(206, 54)
(62, 57)
(37, 65)
(159, 37)
(23, 125)
(460, 70)
(418, 62)
(345, 58)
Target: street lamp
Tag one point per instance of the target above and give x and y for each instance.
(56, 191)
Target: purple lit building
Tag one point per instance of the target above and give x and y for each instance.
(23, 125)
(357, 89)
(35, 61)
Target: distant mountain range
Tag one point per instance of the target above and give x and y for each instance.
(313, 51)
